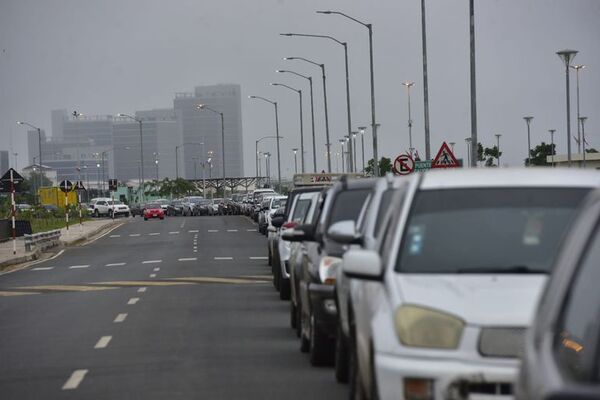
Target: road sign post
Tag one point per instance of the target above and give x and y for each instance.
(66, 186)
(112, 186)
(445, 158)
(80, 188)
(13, 178)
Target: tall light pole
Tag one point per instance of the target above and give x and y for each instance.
(299, 92)
(139, 121)
(345, 46)
(274, 103)
(473, 142)
(552, 143)
(322, 66)
(468, 142)
(373, 120)
(582, 121)
(39, 132)
(528, 121)
(567, 56)
(342, 141)
(498, 147)
(577, 68)
(425, 80)
(156, 164)
(177, 155)
(295, 160)
(362, 130)
(312, 113)
(205, 107)
(258, 154)
(353, 141)
(408, 85)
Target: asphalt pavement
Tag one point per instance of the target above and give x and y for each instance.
(181, 308)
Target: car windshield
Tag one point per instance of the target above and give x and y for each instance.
(486, 230)
(278, 203)
(152, 205)
(347, 205)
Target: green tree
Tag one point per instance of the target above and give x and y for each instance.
(385, 166)
(480, 157)
(490, 155)
(591, 150)
(540, 153)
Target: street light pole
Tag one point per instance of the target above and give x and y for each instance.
(295, 160)
(156, 163)
(528, 121)
(473, 143)
(582, 120)
(342, 141)
(277, 135)
(205, 107)
(139, 121)
(353, 141)
(468, 142)
(327, 144)
(552, 143)
(373, 120)
(301, 121)
(577, 68)
(567, 56)
(345, 45)
(425, 81)
(498, 147)
(177, 157)
(362, 130)
(39, 132)
(408, 86)
(258, 173)
(312, 114)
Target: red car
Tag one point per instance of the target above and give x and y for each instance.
(153, 210)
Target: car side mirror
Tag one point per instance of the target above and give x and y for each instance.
(277, 221)
(344, 232)
(301, 233)
(363, 264)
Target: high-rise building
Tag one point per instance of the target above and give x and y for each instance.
(204, 126)
(4, 161)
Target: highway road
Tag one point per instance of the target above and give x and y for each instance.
(176, 309)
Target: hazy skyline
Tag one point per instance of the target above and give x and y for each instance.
(121, 56)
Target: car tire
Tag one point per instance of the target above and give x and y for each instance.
(341, 356)
(145, 219)
(321, 348)
(285, 289)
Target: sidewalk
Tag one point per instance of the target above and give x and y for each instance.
(76, 234)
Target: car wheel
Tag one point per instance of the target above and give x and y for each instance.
(145, 219)
(321, 347)
(285, 290)
(341, 356)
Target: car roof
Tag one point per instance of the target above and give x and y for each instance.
(509, 177)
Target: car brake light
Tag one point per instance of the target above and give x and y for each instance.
(290, 225)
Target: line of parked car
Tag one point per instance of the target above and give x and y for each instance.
(465, 284)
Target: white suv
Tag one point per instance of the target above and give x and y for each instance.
(440, 309)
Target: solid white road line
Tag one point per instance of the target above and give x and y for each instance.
(75, 379)
(213, 230)
(115, 264)
(120, 318)
(156, 269)
(114, 236)
(259, 258)
(151, 261)
(188, 259)
(193, 231)
(154, 234)
(195, 251)
(232, 230)
(141, 290)
(223, 258)
(195, 247)
(134, 234)
(152, 275)
(174, 233)
(133, 300)
(42, 268)
(250, 230)
(78, 266)
(103, 342)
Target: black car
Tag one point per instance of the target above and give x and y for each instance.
(313, 277)
(137, 209)
(175, 207)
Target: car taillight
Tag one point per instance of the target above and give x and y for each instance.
(289, 225)
(328, 269)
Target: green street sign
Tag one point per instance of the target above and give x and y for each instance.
(421, 166)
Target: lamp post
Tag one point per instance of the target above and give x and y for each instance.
(567, 56)
(498, 147)
(342, 141)
(468, 142)
(577, 68)
(301, 121)
(362, 130)
(177, 154)
(139, 121)
(258, 172)
(156, 164)
(295, 160)
(274, 103)
(425, 80)
(39, 132)
(345, 46)
(552, 143)
(312, 114)
(408, 86)
(205, 107)
(268, 167)
(582, 121)
(528, 121)
(373, 123)
(474, 142)
(353, 141)
(322, 66)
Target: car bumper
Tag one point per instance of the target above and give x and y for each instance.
(322, 299)
(449, 379)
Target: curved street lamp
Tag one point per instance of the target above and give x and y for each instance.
(205, 107)
(274, 103)
(567, 56)
(301, 121)
(139, 121)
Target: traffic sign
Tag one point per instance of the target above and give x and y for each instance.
(66, 186)
(16, 178)
(79, 186)
(403, 165)
(112, 185)
(445, 158)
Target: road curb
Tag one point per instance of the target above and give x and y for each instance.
(20, 260)
(92, 234)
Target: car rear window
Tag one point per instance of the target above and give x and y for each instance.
(153, 205)
(486, 230)
(301, 209)
(347, 205)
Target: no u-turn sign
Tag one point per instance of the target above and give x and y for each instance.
(403, 165)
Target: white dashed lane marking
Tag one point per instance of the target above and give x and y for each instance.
(154, 234)
(213, 230)
(232, 230)
(193, 231)
(151, 261)
(156, 269)
(141, 290)
(78, 266)
(42, 268)
(174, 233)
(259, 258)
(103, 342)
(114, 264)
(134, 234)
(223, 258)
(115, 236)
(152, 275)
(188, 259)
(75, 379)
(120, 318)
(250, 230)
(133, 300)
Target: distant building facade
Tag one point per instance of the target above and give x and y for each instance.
(4, 161)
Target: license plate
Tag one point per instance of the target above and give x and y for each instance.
(155, 215)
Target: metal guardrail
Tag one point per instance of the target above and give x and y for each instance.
(44, 239)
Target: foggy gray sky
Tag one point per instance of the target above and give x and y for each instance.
(109, 56)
